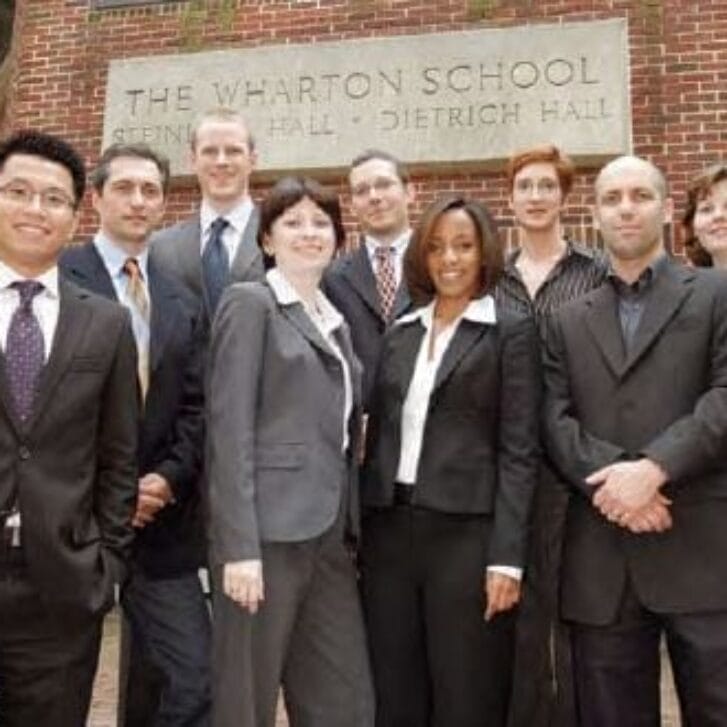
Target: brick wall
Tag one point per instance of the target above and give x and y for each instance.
(678, 68)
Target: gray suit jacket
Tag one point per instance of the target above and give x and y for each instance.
(276, 471)
(176, 251)
(666, 400)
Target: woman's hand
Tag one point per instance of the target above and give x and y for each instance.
(242, 581)
(502, 592)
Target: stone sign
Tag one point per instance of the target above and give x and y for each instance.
(444, 98)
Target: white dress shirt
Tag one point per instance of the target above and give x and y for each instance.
(398, 248)
(416, 404)
(326, 319)
(237, 219)
(46, 305)
(114, 258)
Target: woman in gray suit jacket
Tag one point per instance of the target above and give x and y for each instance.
(284, 398)
(451, 465)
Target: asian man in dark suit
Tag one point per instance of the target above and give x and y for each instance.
(636, 420)
(68, 429)
(163, 598)
(218, 244)
(367, 284)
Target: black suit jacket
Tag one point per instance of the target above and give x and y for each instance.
(171, 429)
(480, 449)
(666, 400)
(72, 467)
(350, 284)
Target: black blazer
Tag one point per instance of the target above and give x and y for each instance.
(480, 449)
(350, 284)
(171, 429)
(667, 400)
(72, 467)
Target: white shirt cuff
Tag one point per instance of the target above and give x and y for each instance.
(506, 570)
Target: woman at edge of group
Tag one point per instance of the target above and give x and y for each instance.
(283, 413)
(451, 465)
(546, 272)
(705, 218)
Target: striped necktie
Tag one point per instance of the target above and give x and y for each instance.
(138, 299)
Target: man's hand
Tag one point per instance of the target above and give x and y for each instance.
(242, 581)
(154, 493)
(654, 517)
(502, 593)
(625, 487)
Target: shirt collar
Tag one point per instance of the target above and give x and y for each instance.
(479, 310)
(286, 294)
(398, 246)
(652, 271)
(48, 279)
(114, 256)
(237, 217)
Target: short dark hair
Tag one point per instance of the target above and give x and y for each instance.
(101, 172)
(286, 193)
(419, 282)
(54, 149)
(547, 154)
(697, 190)
(366, 156)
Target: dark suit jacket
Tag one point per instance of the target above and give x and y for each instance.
(72, 467)
(171, 431)
(350, 284)
(176, 251)
(480, 447)
(667, 400)
(275, 415)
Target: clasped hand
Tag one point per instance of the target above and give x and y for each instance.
(242, 581)
(629, 495)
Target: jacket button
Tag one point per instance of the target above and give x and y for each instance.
(24, 453)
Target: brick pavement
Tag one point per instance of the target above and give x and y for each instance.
(103, 706)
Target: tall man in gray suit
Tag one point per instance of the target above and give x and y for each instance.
(218, 244)
(636, 420)
(68, 425)
(366, 285)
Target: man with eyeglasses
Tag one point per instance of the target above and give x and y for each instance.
(217, 245)
(163, 597)
(68, 431)
(366, 285)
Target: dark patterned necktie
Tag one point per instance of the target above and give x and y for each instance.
(385, 278)
(24, 350)
(215, 263)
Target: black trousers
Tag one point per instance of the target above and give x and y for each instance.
(47, 660)
(617, 667)
(436, 662)
(543, 693)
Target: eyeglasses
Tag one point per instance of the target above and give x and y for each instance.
(22, 194)
(544, 187)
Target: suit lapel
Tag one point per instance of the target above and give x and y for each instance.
(300, 319)
(663, 302)
(163, 315)
(5, 399)
(248, 250)
(361, 276)
(603, 323)
(190, 257)
(73, 319)
(467, 335)
(408, 345)
(89, 272)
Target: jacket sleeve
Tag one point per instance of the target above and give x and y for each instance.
(235, 367)
(518, 448)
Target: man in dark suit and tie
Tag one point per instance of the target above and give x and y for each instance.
(366, 285)
(68, 428)
(218, 244)
(636, 420)
(163, 598)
